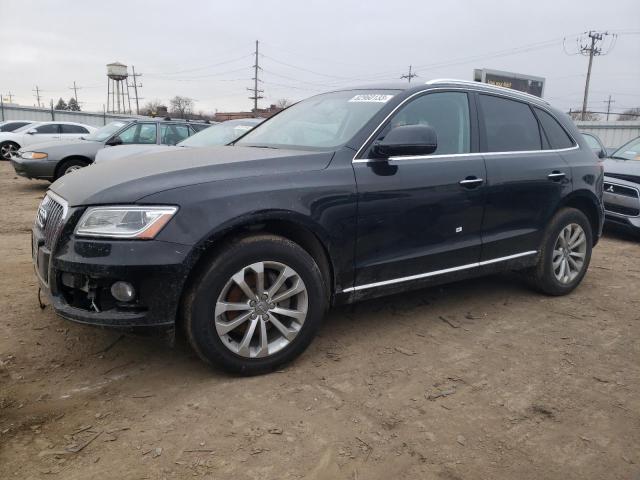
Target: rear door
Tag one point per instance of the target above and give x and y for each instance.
(526, 178)
(420, 216)
(172, 133)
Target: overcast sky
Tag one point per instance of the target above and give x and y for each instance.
(203, 49)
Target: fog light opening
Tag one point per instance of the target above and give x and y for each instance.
(123, 291)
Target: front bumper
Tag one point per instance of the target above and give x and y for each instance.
(78, 274)
(40, 169)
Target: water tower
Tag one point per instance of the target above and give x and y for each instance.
(117, 88)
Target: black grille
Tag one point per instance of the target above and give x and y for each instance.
(620, 190)
(49, 220)
(629, 211)
(622, 176)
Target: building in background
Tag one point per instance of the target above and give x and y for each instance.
(259, 113)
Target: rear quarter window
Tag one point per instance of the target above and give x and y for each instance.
(556, 135)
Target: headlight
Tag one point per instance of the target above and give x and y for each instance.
(140, 222)
(33, 155)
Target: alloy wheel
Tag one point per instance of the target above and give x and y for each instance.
(261, 309)
(7, 150)
(569, 253)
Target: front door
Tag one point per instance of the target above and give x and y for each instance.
(420, 216)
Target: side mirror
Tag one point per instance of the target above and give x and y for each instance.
(33, 131)
(407, 140)
(114, 141)
(602, 154)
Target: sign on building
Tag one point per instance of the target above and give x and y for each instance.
(516, 81)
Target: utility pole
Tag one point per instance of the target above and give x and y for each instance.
(256, 92)
(75, 90)
(591, 49)
(609, 102)
(10, 95)
(37, 90)
(135, 87)
(409, 76)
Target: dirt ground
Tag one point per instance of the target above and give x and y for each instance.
(480, 379)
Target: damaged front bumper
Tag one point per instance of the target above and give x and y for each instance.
(78, 276)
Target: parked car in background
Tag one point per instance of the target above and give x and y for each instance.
(39, 132)
(12, 125)
(595, 144)
(347, 195)
(622, 186)
(50, 161)
(218, 134)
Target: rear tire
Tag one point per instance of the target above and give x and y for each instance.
(272, 325)
(565, 253)
(69, 166)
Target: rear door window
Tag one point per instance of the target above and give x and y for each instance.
(144, 133)
(554, 132)
(73, 129)
(509, 125)
(172, 133)
(50, 128)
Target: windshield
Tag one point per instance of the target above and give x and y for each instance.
(629, 151)
(219, 134)
(323, 122)
(105, 132)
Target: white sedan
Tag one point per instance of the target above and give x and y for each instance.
(38, 132)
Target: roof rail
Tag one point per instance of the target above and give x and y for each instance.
(489, 86)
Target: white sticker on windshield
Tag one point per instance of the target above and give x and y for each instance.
(372, 97)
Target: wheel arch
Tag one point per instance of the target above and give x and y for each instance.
(82, 158)
(587, 203)
(292, 226)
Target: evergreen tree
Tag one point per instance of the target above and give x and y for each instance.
(73, 105)
(61, 105)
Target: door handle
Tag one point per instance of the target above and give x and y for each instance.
(556, 175)
(471, 182)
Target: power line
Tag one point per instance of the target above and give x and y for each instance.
(256, 92)
(75, 90)
(409, 75)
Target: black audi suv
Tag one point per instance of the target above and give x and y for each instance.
(345, 196)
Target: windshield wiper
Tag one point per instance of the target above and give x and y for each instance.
(618, 158)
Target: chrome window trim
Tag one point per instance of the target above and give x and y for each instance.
(437, 272)
(488, 86)
(542, 106)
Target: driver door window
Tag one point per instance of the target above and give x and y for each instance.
(447, 113)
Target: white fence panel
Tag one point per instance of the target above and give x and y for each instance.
(613, 133)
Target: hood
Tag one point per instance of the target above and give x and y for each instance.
(66, 147)
(121, 151)
(624, 168)
(125, 181)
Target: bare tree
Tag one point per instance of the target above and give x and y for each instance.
(577, 115)
(152, 108)
(283, 103)
(181, 106)
(630, 114)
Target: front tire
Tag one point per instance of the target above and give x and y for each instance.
(565, 254)
(69, 166)
(7, 149)
(256, 305)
